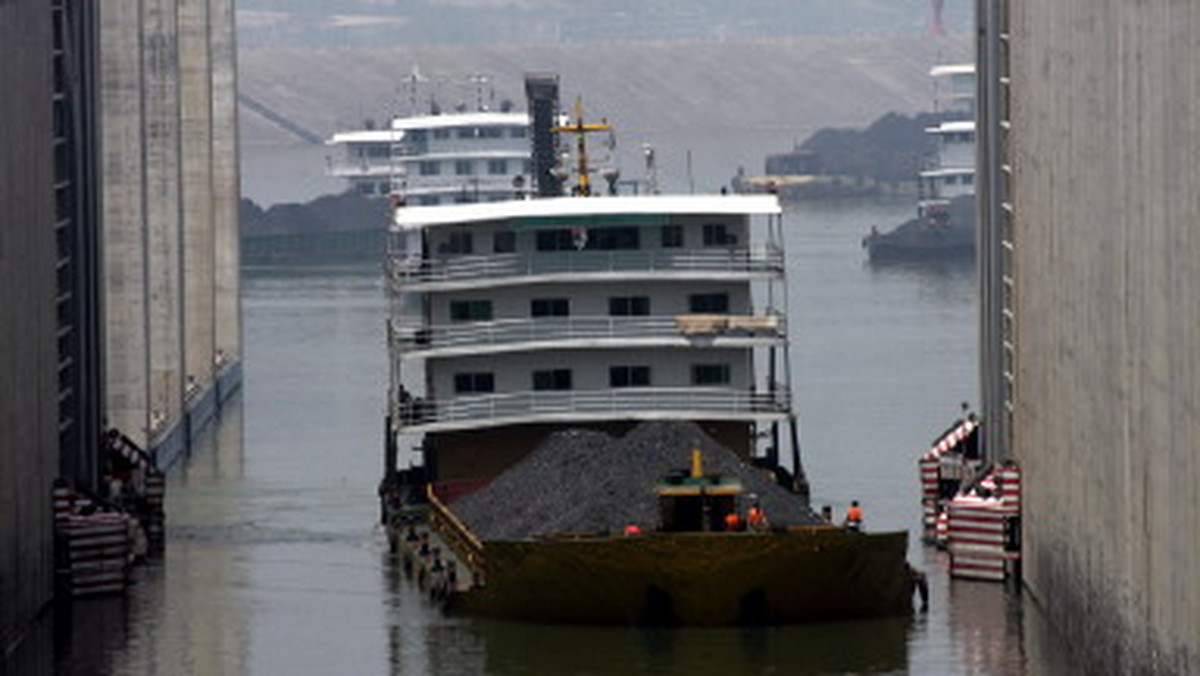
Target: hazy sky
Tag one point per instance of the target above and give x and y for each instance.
(368, 23)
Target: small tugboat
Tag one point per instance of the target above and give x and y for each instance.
(561, 358)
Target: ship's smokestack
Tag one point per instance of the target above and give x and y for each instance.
(541, 92)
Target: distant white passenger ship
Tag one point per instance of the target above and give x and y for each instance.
(427, 160)
(952, 174)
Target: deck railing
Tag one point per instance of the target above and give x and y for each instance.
(419, 338)
(620, 403)
(409, 271)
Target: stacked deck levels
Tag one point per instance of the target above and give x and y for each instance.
(512, 320)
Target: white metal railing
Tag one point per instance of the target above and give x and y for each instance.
(408, 271)
(418, 338)
(620, 403)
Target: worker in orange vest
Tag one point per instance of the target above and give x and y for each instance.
(756, 518)
(733, 522)
(854, 516)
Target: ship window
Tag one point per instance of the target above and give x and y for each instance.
(552, 379)
(710, 374)
(464, 167)
(612, 239)
(430, 168)
(490, 132)
(968, 179)
(466, 132)
(428, 200)
(497, 166)
(470, 310)
(672, 236)
(629, 306)
(709, 302)
(441, 133)
(504, 241)
(460, 242)
(717, 234)
(549, 307)
(555, 240)
(628, 376)
(518, 132)
(366, 188)
(474, 383)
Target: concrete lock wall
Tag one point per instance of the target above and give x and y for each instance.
(1106, 193)
(28, 357)
(170, 195)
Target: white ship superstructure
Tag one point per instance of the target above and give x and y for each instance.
(953, 171)
(515, 319)
(451, 158)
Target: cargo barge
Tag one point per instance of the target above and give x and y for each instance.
(515, 325)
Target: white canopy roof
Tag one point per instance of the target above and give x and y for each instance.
(418, 217)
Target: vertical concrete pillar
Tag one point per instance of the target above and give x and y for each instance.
(226, 183)
(163, 213)
(196, 136)
(122, 181)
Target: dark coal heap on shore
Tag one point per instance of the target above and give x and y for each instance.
(583, 481)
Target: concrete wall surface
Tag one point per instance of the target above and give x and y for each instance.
(1106, 191)
(28, 359)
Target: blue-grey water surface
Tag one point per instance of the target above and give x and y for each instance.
(274, 565)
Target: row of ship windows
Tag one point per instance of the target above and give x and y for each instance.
(597, 239)
(495, 167)
(959, 137)
(561, 379)
(442, 133)
(618, 306)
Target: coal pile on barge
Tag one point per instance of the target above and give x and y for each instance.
(586, 482)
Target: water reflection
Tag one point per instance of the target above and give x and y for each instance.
(184, 613)
(876, 646)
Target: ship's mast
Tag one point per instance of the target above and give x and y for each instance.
(581, 130)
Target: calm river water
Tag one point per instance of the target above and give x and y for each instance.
(274, 565)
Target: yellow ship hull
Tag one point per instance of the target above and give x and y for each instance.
(694, 579)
